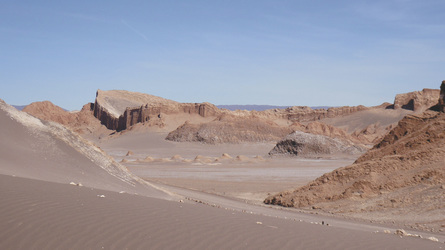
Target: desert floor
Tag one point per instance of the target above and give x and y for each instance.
(199, 173)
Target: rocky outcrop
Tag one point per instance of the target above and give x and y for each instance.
(319, 128)
(120, 109)
(46, 110)
(82, 121)
(308, 145)
(442, 97)
(414, 147)
(418, 101)
(307, 114)
(230, 129)
(404, 172)
(441, 104)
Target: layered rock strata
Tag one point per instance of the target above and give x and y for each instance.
(119, 109)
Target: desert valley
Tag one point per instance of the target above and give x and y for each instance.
(136, 171)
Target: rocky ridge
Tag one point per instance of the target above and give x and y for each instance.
(403, 173)
(82, 122)
(120, 109)
(230, 129)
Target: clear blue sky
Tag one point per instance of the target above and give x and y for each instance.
(225, 52)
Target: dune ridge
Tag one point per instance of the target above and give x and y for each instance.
(49, 151)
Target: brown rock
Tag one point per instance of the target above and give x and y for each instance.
(82, 121)
(442, 97)
(413, 152)
(230, 129)
(120, 109)
(417, 101)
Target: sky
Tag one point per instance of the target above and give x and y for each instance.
(280, 52)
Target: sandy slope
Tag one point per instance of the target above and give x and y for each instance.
(41, 150)
(44, 215)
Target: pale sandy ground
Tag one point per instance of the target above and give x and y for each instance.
(114, 209)
(247, 178)
(47, 215)
(234, 184)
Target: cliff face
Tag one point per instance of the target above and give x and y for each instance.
(307, 114)
(105, 117)
(119, 110)
(418, 101)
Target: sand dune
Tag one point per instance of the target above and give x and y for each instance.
(36, 149)
(45, 215)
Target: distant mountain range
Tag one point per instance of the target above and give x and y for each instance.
(260, 107)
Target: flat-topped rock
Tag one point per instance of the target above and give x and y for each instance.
(116, 102)
(120, 109)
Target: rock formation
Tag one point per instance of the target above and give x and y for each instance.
(120, 109)
(441, 104)
(319, 128)
(230, 129)
(307, 145)
(418, 101)
(82, 122)
(46, 110)
(307, 114)
(404, 172)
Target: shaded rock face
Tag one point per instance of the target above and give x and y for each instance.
(119, 110)
(417, 101)
(305, 144)
(441, 103)
(148, 113)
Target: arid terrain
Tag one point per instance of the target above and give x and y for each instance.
(132, 170)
